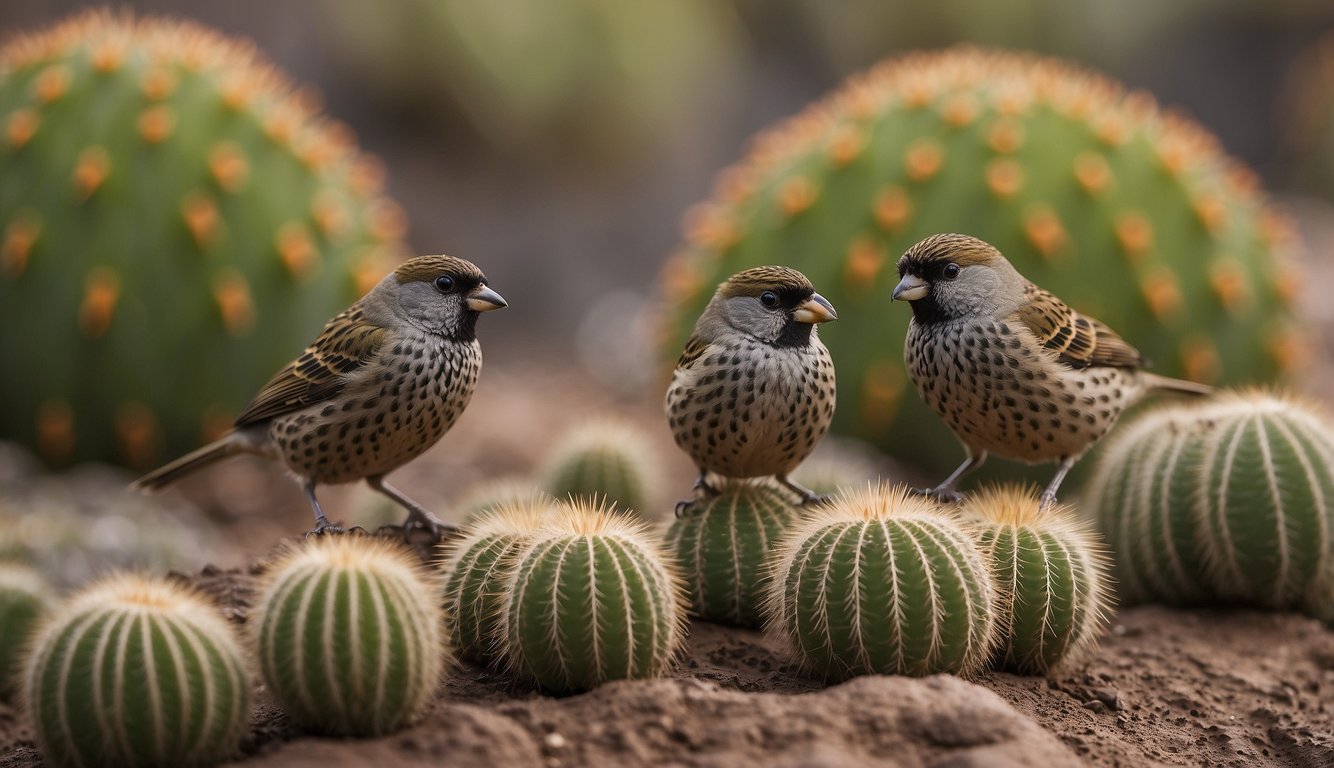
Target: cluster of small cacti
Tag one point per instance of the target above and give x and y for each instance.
(1125, 212)
(24, 600)
(1050, 576)
(882, 581)
(350, 636)
(604, 459)
(1228, 500)
(137, 672)
(154, 169)
(593, 598)
(723, 544)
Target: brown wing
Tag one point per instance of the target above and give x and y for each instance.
(1078, 341)
(347, 343)
(695, 347)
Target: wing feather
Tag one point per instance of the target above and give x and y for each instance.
(1078, 341)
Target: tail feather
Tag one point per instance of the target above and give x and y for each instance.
(167, 474)
(1154, 381)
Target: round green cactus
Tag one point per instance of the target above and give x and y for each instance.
(882, 581)
(1050, 575)
(477, 566)
(137, 672)
(488, 496)
(349, 636)
(1234, 499)
(1125, 212)
(24, 600)
(182, 220)
(593, 599)
(604, 459)
(723, 545)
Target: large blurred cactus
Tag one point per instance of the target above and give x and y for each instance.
(176, 221)
(1128, 213)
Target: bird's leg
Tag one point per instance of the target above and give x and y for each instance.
(809, 498)
(1048, 496)
(702, 491)
(945, 491)
(322, 524)
(418, 516)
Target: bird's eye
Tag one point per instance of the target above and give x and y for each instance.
(443, 283)
(769, 299)
(950, 271)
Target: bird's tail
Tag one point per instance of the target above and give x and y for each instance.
(1154, 381)
(163, 476)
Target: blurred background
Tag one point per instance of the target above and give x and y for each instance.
(557, 144)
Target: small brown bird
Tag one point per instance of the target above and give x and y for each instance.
(382, 383)
(1012, 369)
(754, 389)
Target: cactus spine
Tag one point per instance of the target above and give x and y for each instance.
(24, 600)
(1130, 214)
(1050, 576)
(152, 171)
(723, 546)
(882, 582)
(476, 568)
(350, 636)
(604, 459)
(593, 599)
(137, 672)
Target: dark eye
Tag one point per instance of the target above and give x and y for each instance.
(950, 271)
(769, 299)
(444, 283)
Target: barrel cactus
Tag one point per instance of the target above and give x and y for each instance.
(604, 459)
(477, 565)
(1126, 212)
(491, 495)
(723, 546)
(1050, 575)
(594, 598)
(24, 600)
(1233, 501)
(182, 220)
(137, 672)
(350, 637)
(882, 581)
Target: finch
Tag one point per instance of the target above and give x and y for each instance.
(753, 391)
(383, 381)
(1010, 368)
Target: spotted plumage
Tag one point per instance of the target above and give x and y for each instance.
(1010, 368)
(753, 391)
(382, 383)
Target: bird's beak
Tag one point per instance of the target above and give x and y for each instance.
(816, 309)
(483, 299)
(911, 288)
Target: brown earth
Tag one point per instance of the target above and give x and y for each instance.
(1166, 687)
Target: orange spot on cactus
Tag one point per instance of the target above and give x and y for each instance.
(55, 431)
(1043, 230)
(1277, 230)
(329, 214)
(228, 165)
(296, 250)
(881, 391)
(923, 159)
(959, 109)
(1287, 284)
(370, 268)
(237, 91)
(1161, 292)
(280, 125)
(846, 146)
(366, 177)
(681, 277)
(138, 434)
(1227, 278)
(796, 195)
(157, 123)
(1173, 156)
(892, 209)
(1199, 359)
(735, 185)
(1006, 135)
(1211, 212)
(1092, 172)
(107, 56)
(20, 127)
(20, 236)
(1289, 349)
(101, 292)
(866, 257)
(52, 83)
(1134, 234)
(917, 94)
(1013, 102)
(157, 84)
(386, 221)
(1004, 177)
(231, 293)
(710, 227)
(201, 218)
(90, 171)
(1111, 129)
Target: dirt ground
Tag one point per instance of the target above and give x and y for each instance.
(1167, 687)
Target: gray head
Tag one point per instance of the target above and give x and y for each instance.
(949, 276)
(435, 294)
(776, 305)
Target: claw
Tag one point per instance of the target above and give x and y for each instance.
(815, 499)
(941, 493)
(685, 507)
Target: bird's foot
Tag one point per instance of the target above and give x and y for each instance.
(420, 520)
(325, 528)
(1046, 501)
(687, 507)
(941, 493)
(815, 499)
(703, 490)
